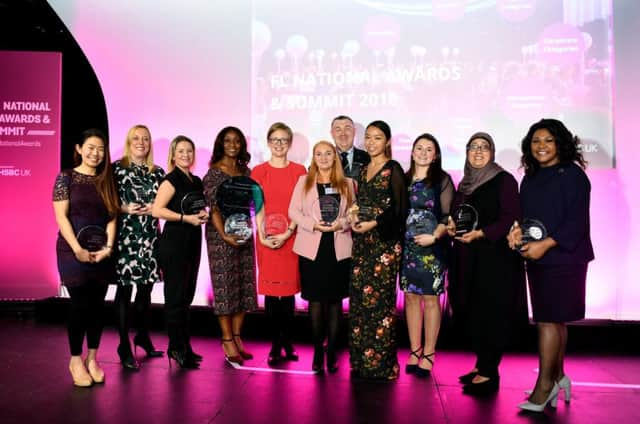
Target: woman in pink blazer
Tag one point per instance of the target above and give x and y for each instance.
(319, 207)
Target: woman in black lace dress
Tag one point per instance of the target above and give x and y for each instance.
(85, 200)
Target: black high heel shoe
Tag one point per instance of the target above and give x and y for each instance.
(126, 357)
(144, 341)
(318, 361)
(275, 354)
(194, 356)
(412, 368)
(423, 372)
(332, 361)
(182, 359)
(485, 388)
(290, 352)
(468, 377)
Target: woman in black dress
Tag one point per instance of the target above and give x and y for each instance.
(85, 198)
(180, 245)
(555, 192)
(486, 278)
(323, 243)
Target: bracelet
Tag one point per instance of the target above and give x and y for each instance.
(289, 230)
(181, 217)
(109, 246)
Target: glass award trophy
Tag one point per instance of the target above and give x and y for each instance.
(532, 230)
(329, 208)
(421, 222)
(92, 238)
(465, 218)
(192, 203)
(137, 194)
(238, 199)
(275, 223)
(362, 212)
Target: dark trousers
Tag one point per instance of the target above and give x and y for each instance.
(279, 310)
(86, 316)
(141, 308)
(180, 278)
(489, 331)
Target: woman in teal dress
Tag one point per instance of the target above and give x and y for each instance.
(137, 179)
(377, 249)
(423, 267)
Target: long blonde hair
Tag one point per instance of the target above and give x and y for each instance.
(126, 156)
(337, 178)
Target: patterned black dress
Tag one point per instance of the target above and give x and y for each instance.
(423, 267)
(233, 274)
(376, 262)
(137, 241)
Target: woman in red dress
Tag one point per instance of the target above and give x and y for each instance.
(278, 274)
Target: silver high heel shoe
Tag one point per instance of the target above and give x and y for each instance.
(534, 407)
(565, 384)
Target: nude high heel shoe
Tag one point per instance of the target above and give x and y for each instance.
(96, 373)
(80, 375)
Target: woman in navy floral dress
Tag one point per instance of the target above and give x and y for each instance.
(377, 249)
(423, 268)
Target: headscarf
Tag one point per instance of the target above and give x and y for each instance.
(475, 177)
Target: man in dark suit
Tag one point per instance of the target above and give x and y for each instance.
(343, 132)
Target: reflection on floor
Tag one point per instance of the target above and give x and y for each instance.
(35, 387)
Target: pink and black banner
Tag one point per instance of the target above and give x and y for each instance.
(29, 161)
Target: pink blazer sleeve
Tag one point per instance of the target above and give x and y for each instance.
(299, 207)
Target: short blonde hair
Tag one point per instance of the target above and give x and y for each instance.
(172, 151)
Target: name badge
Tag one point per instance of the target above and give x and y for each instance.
(330, 190)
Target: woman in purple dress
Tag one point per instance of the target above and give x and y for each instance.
(85, 202)
(555, 192)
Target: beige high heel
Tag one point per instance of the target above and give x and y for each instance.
(96, 373)
(80, 376)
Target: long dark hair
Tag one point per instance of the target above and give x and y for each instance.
(104, 176)
(218, 148)
(567, 144)
(435, 172)
(386, 130)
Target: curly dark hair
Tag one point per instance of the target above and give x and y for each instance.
(435, 172)
(567, 144)
(218, 148)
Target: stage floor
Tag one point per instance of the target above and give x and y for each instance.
(35, 387)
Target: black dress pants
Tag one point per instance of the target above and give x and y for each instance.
(86, 315)
(180, 277)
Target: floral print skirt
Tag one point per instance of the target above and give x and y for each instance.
(372, 307)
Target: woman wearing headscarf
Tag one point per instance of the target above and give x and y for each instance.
(486, 278)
